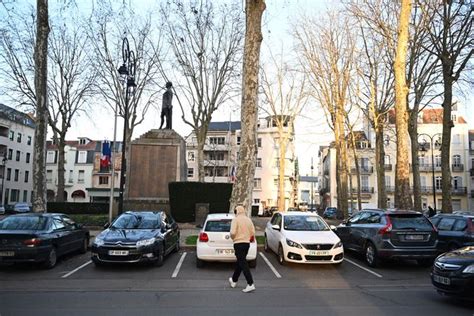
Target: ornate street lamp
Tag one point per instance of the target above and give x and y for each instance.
(4, 162)
(434, 141)
(127, 74)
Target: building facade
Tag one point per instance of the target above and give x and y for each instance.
(429, 159)
(17, 131)
(221, 155)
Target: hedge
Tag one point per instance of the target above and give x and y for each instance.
(78, 208)
(90, 220)
(185, 195)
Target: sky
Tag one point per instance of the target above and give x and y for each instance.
(311, 127)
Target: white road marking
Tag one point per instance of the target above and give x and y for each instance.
(363, 268)
(270, 265)
(176, 270)
(77, 269)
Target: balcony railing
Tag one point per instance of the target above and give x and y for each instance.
(457, 167)
(428, 168)
(459, 191)
(388, 167)
(363, 170)
(363, 190)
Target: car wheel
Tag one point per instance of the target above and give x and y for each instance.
(426, 262)
(51, 260)
(199, 263)
(160, 256)
(370, 254)
(265, 245)
(253, 263)
(281, 256)
(85, 245)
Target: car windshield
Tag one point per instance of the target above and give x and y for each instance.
(137, 221)
(305, 223)
(413, 222)
(222, 225)
(23, 223)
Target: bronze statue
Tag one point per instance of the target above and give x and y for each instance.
(167, 107)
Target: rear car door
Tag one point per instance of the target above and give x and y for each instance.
(77, 234)
(61, 236)
(445, 233)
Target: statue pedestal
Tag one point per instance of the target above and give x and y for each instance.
(156, 158)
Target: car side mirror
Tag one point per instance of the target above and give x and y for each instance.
(333, 228)
(106, 225)
(276, 227)
(78, 226)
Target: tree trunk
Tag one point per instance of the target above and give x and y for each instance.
(41, 74)
(415, 164)
(341, 161)
(402, 176)
(201, 141)
(357, 169)
(446, 206)
(380, 166)
(281, 174)
(243, 187)
(61, 171)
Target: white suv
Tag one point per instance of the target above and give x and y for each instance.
(214, 242)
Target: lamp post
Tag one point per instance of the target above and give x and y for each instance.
(4, 162)
(127, 74)
(433, 140)
(311, 207)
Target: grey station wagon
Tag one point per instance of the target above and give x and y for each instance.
(380, 234)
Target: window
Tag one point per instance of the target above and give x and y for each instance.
(387, 181)
(216, 156)
(275, 182)
(190, 172)
(58, 224)
(457, 183)
(80, 176)
(438, 183)
(49, 176)
(238, 140)
(446, 224)
(71, 176)
(25, 195)
(9, 174)
(50, 156)
(217, 140)
(82, 141)
(257, 183)
(364, 163)
(364, 182)
(256, 201)
(259, 163)
(28, 142)
(103, 180)
(460, 225)
(18, 138)
(10, 154)
(421, 161)
(15, 195)
(11, 136)
(422, 182)
(17, 175)
(18, 154)
(27, 157)
(191, 156)
(27, 176)
(361, 145)
(82, 156)
(457, 160)
(259, 143)
(387, 159)
(456, 139)
(437, 160)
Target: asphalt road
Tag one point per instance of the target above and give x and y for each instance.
(76, 287)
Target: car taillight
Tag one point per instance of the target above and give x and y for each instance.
(203, 237)
(252, 238)
(387, 228)
(470, 228)
(32, 242)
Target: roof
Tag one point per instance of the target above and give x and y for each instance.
(16, 116)
(429, 116)
(220, 216)
(224, 126)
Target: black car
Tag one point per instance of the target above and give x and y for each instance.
(380, 234)
(40, 238)
(141, 236)
(330, 213)
(454, 230)
(453, 273)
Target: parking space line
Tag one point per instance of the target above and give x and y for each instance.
(77, 269)
(278, 275)
(363, 268)
(178, 266)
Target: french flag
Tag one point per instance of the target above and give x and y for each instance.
(233, 173)
(106, 154)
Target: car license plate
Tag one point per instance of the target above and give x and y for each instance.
(7, 253)
(414, 237)
(318, 253)
(441, 279)
(225, 251)
(118, 252)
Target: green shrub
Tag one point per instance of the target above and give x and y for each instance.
(90, 220)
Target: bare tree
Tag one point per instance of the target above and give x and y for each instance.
(283, 86)
(243, 187)
(451, 40)
(107, 27)
(328, 53)
(206, 42)
(41, 79)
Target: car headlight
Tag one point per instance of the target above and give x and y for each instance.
(145, 242)
(98, 241)
(469, 269)
(339, 244)
(291, 243)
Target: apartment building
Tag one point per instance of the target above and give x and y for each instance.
(17, 131)
(308, 191)
(429, 138)
(221, 155)
(85, 179)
